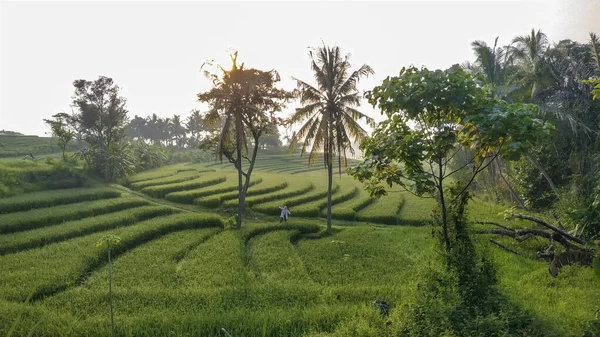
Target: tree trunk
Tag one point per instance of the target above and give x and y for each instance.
(510, 188)
(239, 133)
(329, 189)
(443, 207)
(545, 175)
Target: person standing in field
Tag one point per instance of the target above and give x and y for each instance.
(284, 213)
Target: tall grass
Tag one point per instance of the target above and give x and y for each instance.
(15, 242)
(29, 201)
(58, 266)
(177, 178)
(161, 190)
(49, 216)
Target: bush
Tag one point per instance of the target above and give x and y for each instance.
(210, 202)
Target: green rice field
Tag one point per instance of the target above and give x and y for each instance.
(181, 270)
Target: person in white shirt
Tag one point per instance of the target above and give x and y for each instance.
(284, 213)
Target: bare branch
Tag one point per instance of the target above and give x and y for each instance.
(505, 247)
(545, 224)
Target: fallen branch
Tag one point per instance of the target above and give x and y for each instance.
(545, 224)
(495, 224)
(504, 247)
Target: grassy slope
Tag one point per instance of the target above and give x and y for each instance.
(173, 275)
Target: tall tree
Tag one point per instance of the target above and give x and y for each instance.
(101, 119)
(431, 115)
(102, 113)
(328, 111)
(60, 130)
(195, 127)
(529, 51)
(177, 131)
(137, 128)
(244, 101)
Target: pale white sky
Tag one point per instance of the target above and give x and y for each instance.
(154, 50)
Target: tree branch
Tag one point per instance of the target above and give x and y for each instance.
(505, 247)
(547, 225)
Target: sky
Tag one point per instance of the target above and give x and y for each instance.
(153, 50)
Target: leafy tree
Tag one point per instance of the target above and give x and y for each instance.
(243, 101)
(102, 119)
(60, 130)
(449, 112)
(328, 111)
(102, 113)
(138, 128)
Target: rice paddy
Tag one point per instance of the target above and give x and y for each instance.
(185, 272)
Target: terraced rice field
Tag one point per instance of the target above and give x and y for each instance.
(274, 183)
(182, 271)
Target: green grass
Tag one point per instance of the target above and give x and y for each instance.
(67, 263)
(29, 201)
(161, 190)
(314, 208)
(180, 177)
(293, 188)
(42, 217)
(272, 209)
(15, 242)
(15, 146)
(348, 210)
(384, 210)
(184, 274)
(156, 264)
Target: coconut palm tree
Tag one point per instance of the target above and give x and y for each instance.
(492, 63)
(176, 131)
(528, 51)
(328, 111)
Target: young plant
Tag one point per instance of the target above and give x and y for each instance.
(343, 257)
(109, 240)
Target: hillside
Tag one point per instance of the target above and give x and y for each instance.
(16, 146)
(180, 270)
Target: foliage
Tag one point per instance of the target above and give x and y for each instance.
(328, 111)
(29, 201)
(449, 112)
(243, 103)
(148, 156)
(60, 130)
(42, 217)
(18, 176)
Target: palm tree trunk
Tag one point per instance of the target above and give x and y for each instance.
(329, 189)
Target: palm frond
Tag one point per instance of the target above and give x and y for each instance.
(305, 112)
(595, 47)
